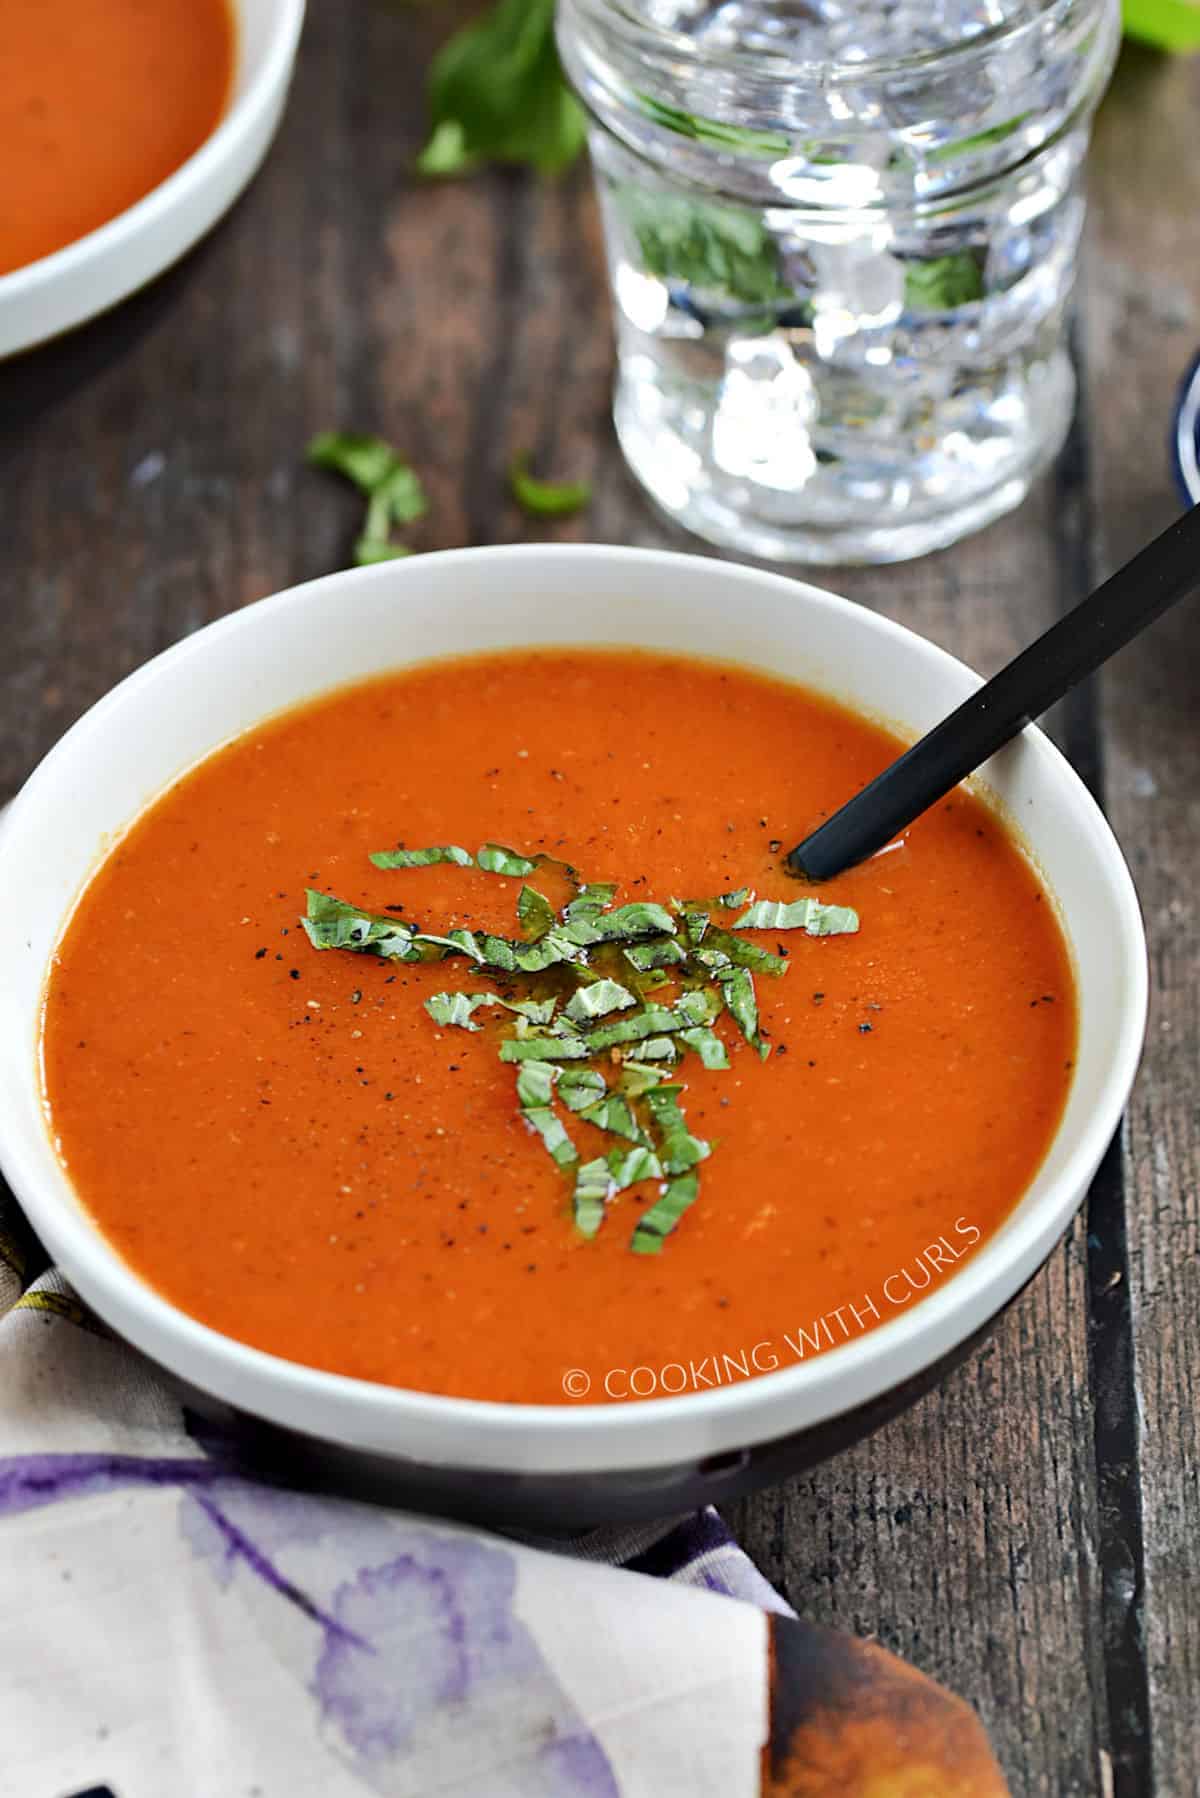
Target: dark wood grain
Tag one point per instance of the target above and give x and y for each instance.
(1141, 327)
(1027, 1534)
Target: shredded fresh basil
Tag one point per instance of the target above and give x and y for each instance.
(331, 923)
(737, 985)
(657, 1223)
(544, 1048)
(679, 1149)
(494, 858)
(421, 858)
(636, 1078)
(582, 1041)
(534, 912)
(393, 490)
(456, 1008)
(655, 1048)
(647, 956)
(614, 1113)
(629, 923)
(597, 1000)
(707, 1045)
(592, 1187)
(535, 1093)
(546, 499)
(578, 1088)
(801, 914)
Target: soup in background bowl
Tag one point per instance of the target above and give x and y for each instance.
(127, 130)
(312, 1192)
(100, 100)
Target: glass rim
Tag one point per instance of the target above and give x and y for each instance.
(826, 73)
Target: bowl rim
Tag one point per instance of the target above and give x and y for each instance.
(192, 174)
(565, 1437)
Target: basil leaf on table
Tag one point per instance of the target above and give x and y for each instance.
(497, 94)
(546, 499)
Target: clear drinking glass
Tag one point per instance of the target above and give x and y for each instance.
(841, 239)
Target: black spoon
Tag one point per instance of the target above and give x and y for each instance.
(1165, 571)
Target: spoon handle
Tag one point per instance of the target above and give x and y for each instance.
(1165, 571)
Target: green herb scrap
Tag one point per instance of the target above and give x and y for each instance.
(944, 282)
(724, 252)
(393, 490)
(421, 858)
(497, 94)
(546, 499)
(583, 1042)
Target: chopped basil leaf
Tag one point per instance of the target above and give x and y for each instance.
(535, 1084)
(651, 983)
(743, 140)
(708, 1047)
(555, 946)
(377, 549)
(529, 1011)
(579, 1087)
(698, 1006)
(627, 923)
(421, 858)
(535, 912)
(695, 924)
(627, 1167)
(680, 1149)
(801, 914)
(597, 1000)
(654, 1048)
(494, 858)
(638, 1079)
(331, 923)
(655, 1020)
(460, 941)
(645, 956)
(456, 1008)
(549, 1126)
(394, 492)
(593, 1183)
(725, 949)
(535, 1094)
(546, 499)
(944, 283)
(545, 1048)
(664, 1214)
(723, 252)
(613, 1113)
(497, 94)
(367, 461)
(590, 900)
(496, 952)
(738, 987)
(727, 901)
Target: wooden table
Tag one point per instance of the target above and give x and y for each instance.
(1029, 1533)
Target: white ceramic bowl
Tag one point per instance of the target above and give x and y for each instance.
(231, 674)
(90, 275)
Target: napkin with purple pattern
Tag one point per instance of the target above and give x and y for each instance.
(172, 1629)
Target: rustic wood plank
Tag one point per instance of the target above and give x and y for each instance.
(963, 1534)
(1142, 328)
(151, 477)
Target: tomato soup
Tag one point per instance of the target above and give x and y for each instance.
(341, 1153)
(99, 101)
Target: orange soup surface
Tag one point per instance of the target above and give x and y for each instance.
(289, 1146)
(99, 101)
